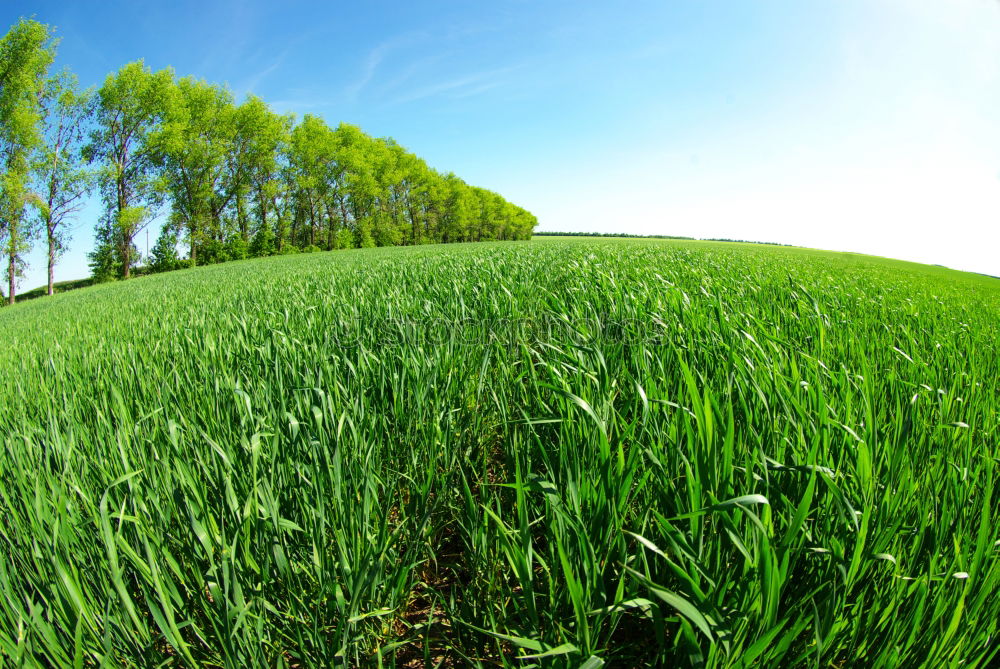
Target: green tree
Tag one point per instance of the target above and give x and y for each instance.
(265, 167)
(345, 239)
(193, 145)
(60, 171)
(129, 109)
(309, 151)
(105, 263)
(263, 242)
(260, 138)
(412, 194)
(385, 157)
(237, 247)
(26, 52)
(217, 158)
(19, 232)
(357, 155)
(459, 210)
(164, 256)
(318, 160)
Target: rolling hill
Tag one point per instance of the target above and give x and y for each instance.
(559, 452)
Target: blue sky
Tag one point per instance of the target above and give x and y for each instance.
(860, 125)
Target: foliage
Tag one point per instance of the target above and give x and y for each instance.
(164, 256)
(637, 452)
(237, 248)
(192, 146)
(263, 243)
(344, 239)
(104, 260)
(129, 107)
(214, 251)
(26, 52)
(61, 176)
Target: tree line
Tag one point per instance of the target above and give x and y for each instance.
(636, 236)
(608, 234)
(230, 179)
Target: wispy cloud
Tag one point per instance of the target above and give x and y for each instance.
(473, 91)
(412, 70)
(301, 105)
(460, 87)
(376, 57)
(250, 84)
(230, 46)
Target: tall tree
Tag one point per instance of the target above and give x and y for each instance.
(317, 174)
(128, 110)
(63, 180)
(260, 137)
(459, 210)
(193, 146)
(18, 232)
(255, 170)
(358, 153)
(26, 52)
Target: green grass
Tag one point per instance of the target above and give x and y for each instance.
(57, 287)
(623, 451)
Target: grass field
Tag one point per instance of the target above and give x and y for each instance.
(563, 452)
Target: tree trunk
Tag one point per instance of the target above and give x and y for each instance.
(312, 222)
(242, 217)
(278, 231)
(52, 263)
(122, 204)
(263, 209)
(11, 266)
(343, 213)
(331, 235)
(50, 226)
(194, 247)
(413, 225)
